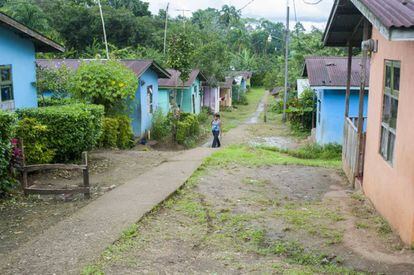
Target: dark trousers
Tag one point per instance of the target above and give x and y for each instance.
(216, 140)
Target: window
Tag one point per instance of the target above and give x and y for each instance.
(319, 110)
(6, 83)
(150, 100)
(390, 109)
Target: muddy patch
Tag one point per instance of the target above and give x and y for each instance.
(242, 220)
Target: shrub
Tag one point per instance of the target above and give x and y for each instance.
(7, 130)
(125, 133)
(187, 127)
(35, 143)
(110, 129)
(301, 111)
(238, 96)
(161, 125)
(330, 151)
(57, 81)
(106, 83)
(72, 129)
(53, 101)
(204, 114)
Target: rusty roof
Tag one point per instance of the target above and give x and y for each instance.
(175, 81)
(393, 18)
(244, 74)
(392, 13)
(332, 71)
(41, 42)
(137, 66)
(228, 83)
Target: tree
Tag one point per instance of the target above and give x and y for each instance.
(180, 53)
(106, 83)
(138, 8)
(57, 81)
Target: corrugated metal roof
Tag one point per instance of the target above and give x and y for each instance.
(332, 71)
(244, 74)
(137, 66)
(175, 81)
(228, 83)
(41, 42)
(392, 13)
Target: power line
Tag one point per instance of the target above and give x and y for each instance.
(312, 3)
(245, 6)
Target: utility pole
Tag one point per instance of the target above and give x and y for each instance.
(286, 64)
(165, 31)
(104, 30)
(183, 10)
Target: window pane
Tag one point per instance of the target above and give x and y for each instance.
(393, 113)
(6, 93)
(397, 72)
(5, 74)
(384, 142)
(388, 76)
(386, 111)
(391, 143)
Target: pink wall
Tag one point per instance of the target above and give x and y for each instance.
(391, 187)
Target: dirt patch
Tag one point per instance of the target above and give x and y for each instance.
(256, 220)
(23, 218)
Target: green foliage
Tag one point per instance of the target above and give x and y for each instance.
(161, 125)
(204, 115)
(238, 96)
(7, 130)
(116, 132)
(71, 129)
(109, 137)
(125, 135)
(35, 143)
(107, 83)
(187, 127)
(57, 81)
(300, 111)
(51, 101)
(330, 151)
(180, 52)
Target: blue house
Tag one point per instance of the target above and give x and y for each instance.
(18, 47)
(188, 96)
(327, 77)
(142, 108)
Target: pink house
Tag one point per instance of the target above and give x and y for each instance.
(381, 160)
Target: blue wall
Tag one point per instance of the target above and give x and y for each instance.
(164, 100)
(186, 96)
(141, 118)
(19, 53)
(331, 108)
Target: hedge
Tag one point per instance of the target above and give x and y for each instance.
(187, 126)
(72, 129)
(7, 129)
(116, 133)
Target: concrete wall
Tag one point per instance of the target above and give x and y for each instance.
(185, 98)
(330, 127)
(141, 118)
(164, 100)
(391, 187)
(20, 53)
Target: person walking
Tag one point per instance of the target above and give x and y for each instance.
(216, 129)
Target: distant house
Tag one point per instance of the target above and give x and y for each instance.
(226, 92)
(381, 160)
(18, 46)
(187, 95)
(211, 98)
(327, 77)
(242, 78)
(146, 98)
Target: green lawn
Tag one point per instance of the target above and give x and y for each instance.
(232, 119)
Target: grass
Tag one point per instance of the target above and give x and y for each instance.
(231, 119)
(249, 156)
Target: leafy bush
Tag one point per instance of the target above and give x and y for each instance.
(116, 132)
(35, 143)
(238, 96)
(161, 125)
(204, 115)
(187, 127)
(53, 101)
(125, 133)
(106, 83)
(109, 137)
(301, 111)
(7, 130)
(72, 129)
(57, 81)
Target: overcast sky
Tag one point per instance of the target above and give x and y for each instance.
(274, 10)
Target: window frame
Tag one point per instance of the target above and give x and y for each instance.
(150, 99)
(392, 94)
(7, 83)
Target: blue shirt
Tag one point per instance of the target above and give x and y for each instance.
(215, 125)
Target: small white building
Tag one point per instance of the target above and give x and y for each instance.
(302, 84)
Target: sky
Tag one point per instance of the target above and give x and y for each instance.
(274, 10)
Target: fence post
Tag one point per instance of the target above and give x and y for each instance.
(85, 171)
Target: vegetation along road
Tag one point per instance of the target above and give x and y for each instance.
(254, 208)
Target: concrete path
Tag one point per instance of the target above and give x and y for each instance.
(99, 224)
